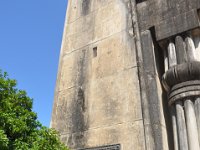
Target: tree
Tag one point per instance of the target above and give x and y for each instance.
(19, 127)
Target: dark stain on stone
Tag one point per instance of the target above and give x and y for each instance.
(81, 99)
(85, 7)
(78, 105)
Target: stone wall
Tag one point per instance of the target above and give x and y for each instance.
(97, 98)
(108, 85)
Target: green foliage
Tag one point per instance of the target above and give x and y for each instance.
(19, 128)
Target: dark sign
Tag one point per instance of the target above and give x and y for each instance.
(109, 147)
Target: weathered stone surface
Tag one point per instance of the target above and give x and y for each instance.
(129, 135)
(169, 17)
(95, 26)
(111, 102)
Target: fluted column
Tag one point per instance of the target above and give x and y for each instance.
(182, 82)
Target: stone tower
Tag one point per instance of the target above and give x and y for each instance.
(129, 75)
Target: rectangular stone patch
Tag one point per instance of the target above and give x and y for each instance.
(177, 24)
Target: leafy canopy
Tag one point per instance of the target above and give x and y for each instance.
(19, 128)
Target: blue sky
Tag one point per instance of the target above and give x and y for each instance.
(30, 41)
